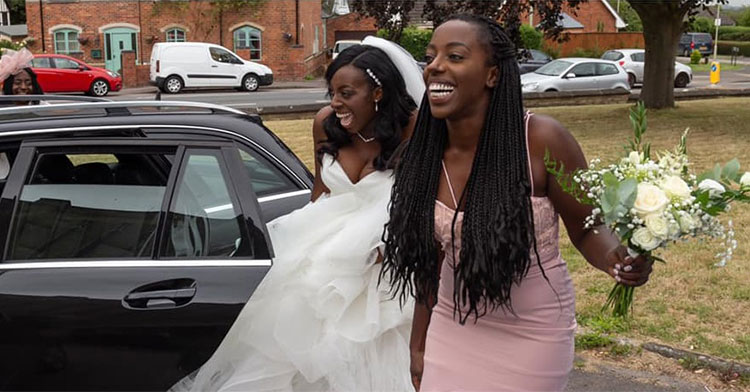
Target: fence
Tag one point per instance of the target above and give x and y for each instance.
(595, 43)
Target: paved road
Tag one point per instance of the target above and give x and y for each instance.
(610, 379)
(231, 98)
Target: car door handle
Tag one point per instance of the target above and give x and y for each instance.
(160, 296)
(214, 66)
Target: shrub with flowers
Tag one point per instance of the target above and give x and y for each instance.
(650, 202)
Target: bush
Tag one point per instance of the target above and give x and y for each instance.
(414, 40)
(594, 52)
(695, 57)
(702, 24)
(552, 51)
(531, 38)
(734, 33)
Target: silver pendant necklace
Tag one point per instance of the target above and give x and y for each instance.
(365, 139)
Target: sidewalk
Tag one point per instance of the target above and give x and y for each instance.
(282, 84)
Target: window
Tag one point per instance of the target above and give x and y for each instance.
(583, 70)
(223, 56)
(248, 38)
(606, 69)
(204, 220)
(66, 63)
(612, 55)
(66, 41)
(638, 57)
(90, 206)
(41, 62)
(266, 178)
(176, 35)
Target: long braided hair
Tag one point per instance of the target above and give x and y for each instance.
(498, 227)
(395, 108)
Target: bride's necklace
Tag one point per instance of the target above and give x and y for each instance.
(365, 139)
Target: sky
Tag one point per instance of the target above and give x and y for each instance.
(738, 3)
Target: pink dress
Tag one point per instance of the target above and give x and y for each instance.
(529, 351)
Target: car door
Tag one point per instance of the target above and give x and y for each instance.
(610, 76)
(638, 62)
(584, 79)
(126, 261)
(73, 76)
(46, 74)
(225, 68)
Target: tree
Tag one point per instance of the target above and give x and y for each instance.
(701, 24)
(509, 13)
(743, 19)
(628, 15)
(17, 11)
(392, 16)
(663, 23)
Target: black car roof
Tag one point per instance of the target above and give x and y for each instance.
(206, 119)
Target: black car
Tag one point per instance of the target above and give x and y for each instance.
(531, 59)
(133, 233)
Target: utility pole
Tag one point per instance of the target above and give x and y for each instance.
(618, 7)
(717, 22)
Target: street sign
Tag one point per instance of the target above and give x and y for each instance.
(717, 22)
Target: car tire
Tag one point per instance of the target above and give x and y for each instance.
(172, 85)
(631, 80)
(99, 88)
(250, 82)
(681, 80)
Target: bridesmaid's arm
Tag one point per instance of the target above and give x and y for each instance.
(319, 136)
(419, 325)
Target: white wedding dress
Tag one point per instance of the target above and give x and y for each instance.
(320, 321)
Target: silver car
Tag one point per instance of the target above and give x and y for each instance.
(633, 60)
(573, 74)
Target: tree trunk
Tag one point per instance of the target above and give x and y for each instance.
(662, 27)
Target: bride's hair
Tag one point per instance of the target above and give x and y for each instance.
(498, 230)
(394, 109)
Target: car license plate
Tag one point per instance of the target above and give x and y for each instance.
(704, 48)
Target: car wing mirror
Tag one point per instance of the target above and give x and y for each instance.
(570, 75)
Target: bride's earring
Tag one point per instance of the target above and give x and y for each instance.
(376, 106)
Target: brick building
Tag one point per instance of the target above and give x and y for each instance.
(286, 35)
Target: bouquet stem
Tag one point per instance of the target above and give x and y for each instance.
(620, 300)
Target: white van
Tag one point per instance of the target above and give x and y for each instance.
(339, 46)
(175, 65)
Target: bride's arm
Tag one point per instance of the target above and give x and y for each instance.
(319, 136)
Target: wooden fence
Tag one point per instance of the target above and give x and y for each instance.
(596, 43)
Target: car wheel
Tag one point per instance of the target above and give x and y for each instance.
(631, 80)
(99, 88)
(250, 82)
(681, 80)
(173, 85)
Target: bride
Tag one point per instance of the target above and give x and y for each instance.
(320, 320)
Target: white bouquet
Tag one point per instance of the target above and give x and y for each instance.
(651, 202)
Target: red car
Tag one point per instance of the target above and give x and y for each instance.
(58, 73)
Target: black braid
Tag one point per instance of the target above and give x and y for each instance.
(498, 227)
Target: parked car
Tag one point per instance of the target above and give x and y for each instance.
(178, 65)
(572, 74)
(532, 59)
(633, 60)
(340, 45)
(58, 73)
(695, 41)
(133, 234)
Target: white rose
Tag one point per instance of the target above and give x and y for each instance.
(745, 179)
(714, 188)
(687, 223)
(675, 187)
(649, 200)
(634, 157)
(643, 238)
(658, 226)
(674, 229)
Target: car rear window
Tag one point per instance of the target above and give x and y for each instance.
(612, 56)
(702, 38)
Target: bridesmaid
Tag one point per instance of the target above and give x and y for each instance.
(473, 232)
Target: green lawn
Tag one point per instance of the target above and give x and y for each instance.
(689, 303)
(725, 66)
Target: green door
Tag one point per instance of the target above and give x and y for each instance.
(116, 41)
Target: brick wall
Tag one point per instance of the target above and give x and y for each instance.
(289, 58)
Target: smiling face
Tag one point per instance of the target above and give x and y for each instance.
(22, 84)
(458, 76)
(353, 98)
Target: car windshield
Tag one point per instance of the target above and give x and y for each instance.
(554, 68)
(344, 45)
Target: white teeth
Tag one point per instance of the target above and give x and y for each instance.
(342, 115)
(435, 87)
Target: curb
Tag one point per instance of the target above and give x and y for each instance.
(714, 363)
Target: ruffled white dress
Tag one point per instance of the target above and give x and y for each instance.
(320, 321)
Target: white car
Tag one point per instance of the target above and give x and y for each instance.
(176, 65)
(339, 46)
(574, 74)
(633, 60)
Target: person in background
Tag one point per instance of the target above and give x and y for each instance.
(17, 76)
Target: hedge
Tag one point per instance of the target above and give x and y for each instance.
(414, 40)
(733, 33)
(725, 47)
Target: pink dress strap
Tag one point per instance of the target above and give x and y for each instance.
(450, 186)
(528, 151)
